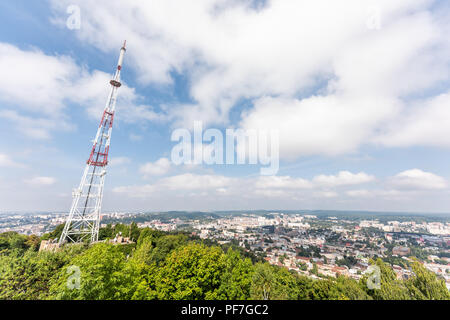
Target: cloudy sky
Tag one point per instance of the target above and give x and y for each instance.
(359, 91)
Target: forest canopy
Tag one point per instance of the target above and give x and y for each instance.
(178, 266)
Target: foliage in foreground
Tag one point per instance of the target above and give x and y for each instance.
(175, 266)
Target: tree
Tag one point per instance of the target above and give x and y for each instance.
(101, 274)
(263, 282)
(302, 266)
(288, 285)
(12, 240)
(191, 272)
(29, 276)
(315, 269)
(236, 281)
(390, 287)
(106, 233)
(348, 261)
(55, 234)
(320, 290)
(33, 242)
(347, 289)
(424, 285)
(134, 231)
(165, 245)
(274, 283)
(168, 266)
(341, 288)
(149, 233)
(139, 274)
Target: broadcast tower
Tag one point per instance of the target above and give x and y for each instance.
(84, 216)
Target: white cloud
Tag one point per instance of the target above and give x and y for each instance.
(211, 191)
(158, 168)
(136, 191)
(185, 182)
(326, 194)
(329, 125)
(343, 178)
(364, 93)
(41, 181)
(36, 82)
(220, 185)
(415, 178)
(267, 193)
(43, 85)
(396, 194)
(286, 182)
(191, 181)
(426, 123)
(36, 127)
(6, 161)
(276, 55)
(418, 179)
(362, 193)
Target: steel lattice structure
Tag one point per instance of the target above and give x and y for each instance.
(84, 216)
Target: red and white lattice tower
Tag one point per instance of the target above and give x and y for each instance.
(84, 217)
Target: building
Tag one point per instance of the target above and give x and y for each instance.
(49, 245)
(401, 251)
(121, 240)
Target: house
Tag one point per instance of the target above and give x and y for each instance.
(401, 251)
(120, 240)
(49, 245)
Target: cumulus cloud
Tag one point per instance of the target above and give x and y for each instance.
(41, 181)
(426, 123)
(418, 179)
(44, 79)
(312, 69)
(184, 183)
(286, 182)
(326, 194)
(191, 181)
(41, 86)
(180, 183)
(34, 127)
(324, 125)
(343, 178)
(158, 168)
(6, 161)
(362, 193)
(219, 185)
(385, 195)
(405, 186)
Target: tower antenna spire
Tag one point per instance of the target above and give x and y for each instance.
(83, 221)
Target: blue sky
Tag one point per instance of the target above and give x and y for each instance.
(362, 109)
